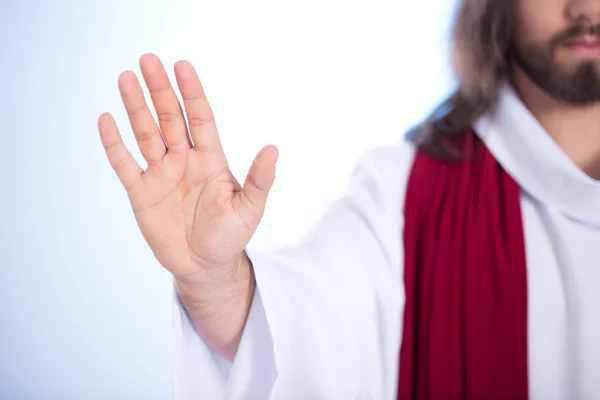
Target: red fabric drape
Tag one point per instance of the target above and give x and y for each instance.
(465, 318)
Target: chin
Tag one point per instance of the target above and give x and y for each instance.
(572, 67)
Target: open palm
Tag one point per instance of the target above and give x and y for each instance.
(190, 208)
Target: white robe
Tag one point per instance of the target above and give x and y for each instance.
(326, 319)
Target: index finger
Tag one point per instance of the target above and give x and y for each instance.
(201, 119)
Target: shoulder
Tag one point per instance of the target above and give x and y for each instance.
(387, 167)
(377, 192)
(397, 156)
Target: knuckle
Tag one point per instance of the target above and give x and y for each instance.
(134, 112)
(119, 164)
(109, 147)
(145, 136)
(167, 116)
(198, 121)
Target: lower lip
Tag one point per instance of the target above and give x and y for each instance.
(584, 49)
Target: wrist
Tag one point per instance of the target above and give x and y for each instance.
(216, 274)
(236, 276)
(213, 304)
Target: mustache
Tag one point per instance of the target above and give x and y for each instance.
(575, 32)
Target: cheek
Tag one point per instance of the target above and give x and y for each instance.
(537, 21)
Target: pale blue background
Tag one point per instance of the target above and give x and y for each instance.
(85, 310)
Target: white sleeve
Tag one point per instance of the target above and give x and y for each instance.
(325, 322)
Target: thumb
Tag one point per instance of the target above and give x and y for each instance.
(260, 179)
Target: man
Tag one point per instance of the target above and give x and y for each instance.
(461, 264)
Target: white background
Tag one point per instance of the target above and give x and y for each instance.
(85, 310)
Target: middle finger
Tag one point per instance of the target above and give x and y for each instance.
(168, 109)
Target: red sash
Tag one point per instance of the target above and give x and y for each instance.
(465, 318)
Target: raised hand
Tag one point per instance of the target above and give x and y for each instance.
(191, 210)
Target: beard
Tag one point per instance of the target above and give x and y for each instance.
(578, 85)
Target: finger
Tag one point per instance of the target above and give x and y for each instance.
(259, 181)
(203, 128)
(187, 133)
(145, 129)
(168, 109)
(121, 160)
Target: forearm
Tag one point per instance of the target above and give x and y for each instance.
(218, 306)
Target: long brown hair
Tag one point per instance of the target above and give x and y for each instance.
(481, 40)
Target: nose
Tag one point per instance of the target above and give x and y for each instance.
(581, 11)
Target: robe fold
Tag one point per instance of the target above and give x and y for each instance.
(332, 315)
(465, 314)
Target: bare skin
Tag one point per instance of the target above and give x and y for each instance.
(192, 212)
